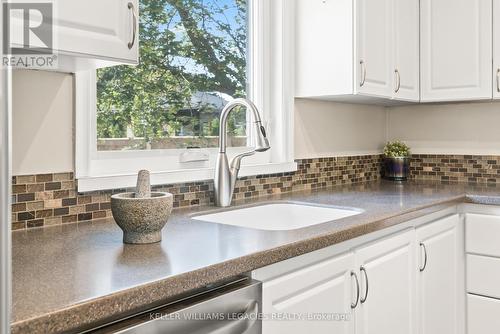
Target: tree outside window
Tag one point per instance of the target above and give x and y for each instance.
(193, 59)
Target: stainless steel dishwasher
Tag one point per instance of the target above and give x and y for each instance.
(234, 308)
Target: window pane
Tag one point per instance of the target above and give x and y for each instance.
(193, 59)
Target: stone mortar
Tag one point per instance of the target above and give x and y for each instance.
(141, 219)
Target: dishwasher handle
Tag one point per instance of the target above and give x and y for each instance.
(240, 326)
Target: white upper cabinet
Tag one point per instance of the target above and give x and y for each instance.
(88, 34)
(101, 29)
(403, 50)
(456, 50)
(324, 48)
(357, 50)
(374, 47)
(496, 49)
(405, 33)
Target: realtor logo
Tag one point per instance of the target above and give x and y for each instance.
(28, 34)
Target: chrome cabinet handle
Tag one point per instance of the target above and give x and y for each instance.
(398, 80)
(498, 80)
(363, 270)
(134, 25)
(353, 305)
(363, 72)
(422, 245)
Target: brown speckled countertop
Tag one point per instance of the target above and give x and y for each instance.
(73, 277)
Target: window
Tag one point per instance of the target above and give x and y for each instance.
(193, 59)
(195, 55)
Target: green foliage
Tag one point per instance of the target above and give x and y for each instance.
(186, 46)
(396, 149)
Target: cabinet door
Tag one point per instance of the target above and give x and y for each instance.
(322, 288)
(406, 50)
(374, 48)
(324, 51)
(456, 50)
(388, 282)
(440, 278)
(97, 28)
(92, 28)
(496, 49)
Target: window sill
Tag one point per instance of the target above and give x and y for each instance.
(106, 182)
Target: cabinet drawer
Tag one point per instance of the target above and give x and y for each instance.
(315, 276)
(482, 275)
(483, 315)
(482, 234)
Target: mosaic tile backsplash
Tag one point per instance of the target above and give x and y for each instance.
(456, 168)
(52, 199)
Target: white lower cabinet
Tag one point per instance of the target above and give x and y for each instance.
(387, 279)
(483, 233)
(440, 277)
(483, 315)
(483, 275)
(372, 288)
(322, 288)
(483, 271)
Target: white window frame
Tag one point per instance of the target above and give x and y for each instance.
(272, 45)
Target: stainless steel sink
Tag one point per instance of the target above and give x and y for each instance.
(279, 216)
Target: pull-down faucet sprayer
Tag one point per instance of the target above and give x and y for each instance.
(227, 173)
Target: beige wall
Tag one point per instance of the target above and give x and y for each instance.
(43, 126)
(42, 129)
(325, 129)
(466, 128)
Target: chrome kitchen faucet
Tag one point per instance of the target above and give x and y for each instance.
(227, 173)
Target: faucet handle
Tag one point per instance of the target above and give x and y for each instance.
(235, 163)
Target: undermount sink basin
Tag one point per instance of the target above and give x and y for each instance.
(278, 216)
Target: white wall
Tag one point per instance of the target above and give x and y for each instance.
(325, 129)
(42, 129)
(466, 128)
(43, 126)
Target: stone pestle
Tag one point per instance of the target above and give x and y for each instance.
(143, 188)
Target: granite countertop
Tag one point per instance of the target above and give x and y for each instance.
(72, 277)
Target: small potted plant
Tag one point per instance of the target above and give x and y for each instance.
(396, 161)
